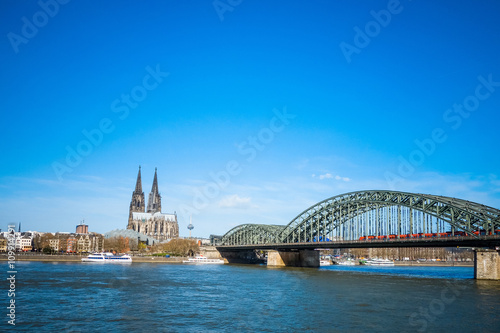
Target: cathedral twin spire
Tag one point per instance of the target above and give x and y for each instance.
(138, 203)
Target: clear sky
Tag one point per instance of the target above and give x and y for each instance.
(252, 111)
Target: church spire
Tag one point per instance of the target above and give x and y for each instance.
(154, 188)
(137, 204)
(154, 202)
(138, 184)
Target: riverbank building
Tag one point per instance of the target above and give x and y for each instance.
(149, 220)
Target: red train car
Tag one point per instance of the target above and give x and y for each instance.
(428, 235)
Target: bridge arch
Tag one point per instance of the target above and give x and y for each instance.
(339, 216)
(252, 234)
(373, 213)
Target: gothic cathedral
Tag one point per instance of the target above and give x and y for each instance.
(151, 222)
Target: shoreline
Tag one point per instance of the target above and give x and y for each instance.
(178, 260)
(436, 263)
(429, 263)
(78, 258)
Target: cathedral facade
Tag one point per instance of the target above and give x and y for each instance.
(151, 222)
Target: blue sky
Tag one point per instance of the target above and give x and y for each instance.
(288, 102)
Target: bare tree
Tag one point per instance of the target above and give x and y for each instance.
(180, 247)
(117, 244)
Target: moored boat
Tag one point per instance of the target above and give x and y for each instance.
(325, 262)
(203, 260)
(347, 262)
(107, 257)
(380, 262)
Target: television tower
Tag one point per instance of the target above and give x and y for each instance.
(190, 226)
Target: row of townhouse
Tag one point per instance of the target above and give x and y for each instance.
(23, 240)
(58, 242)
(70, 243)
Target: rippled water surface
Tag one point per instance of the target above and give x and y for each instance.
(73, 297)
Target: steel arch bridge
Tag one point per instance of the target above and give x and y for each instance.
(253, 234)
(375, 214)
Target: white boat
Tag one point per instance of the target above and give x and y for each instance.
(107, 257)
(202, 260)
(346, 263)
(380, 262)
(324, 262)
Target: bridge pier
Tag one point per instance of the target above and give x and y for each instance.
(241, 257)
(486, 264)
(301, 258)
(210, 252)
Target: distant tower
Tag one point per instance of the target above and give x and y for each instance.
(190, 226)
(138, 203)
(82, 228)
(19, 227)
(154, 201)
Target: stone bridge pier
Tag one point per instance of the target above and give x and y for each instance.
(300, 258)
(486, 264)
(241, 257)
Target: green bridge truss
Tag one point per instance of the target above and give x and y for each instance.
(253, 234)
(358, 214)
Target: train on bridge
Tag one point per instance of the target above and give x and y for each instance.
(431, 235)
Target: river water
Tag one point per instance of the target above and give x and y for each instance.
(140, 297)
